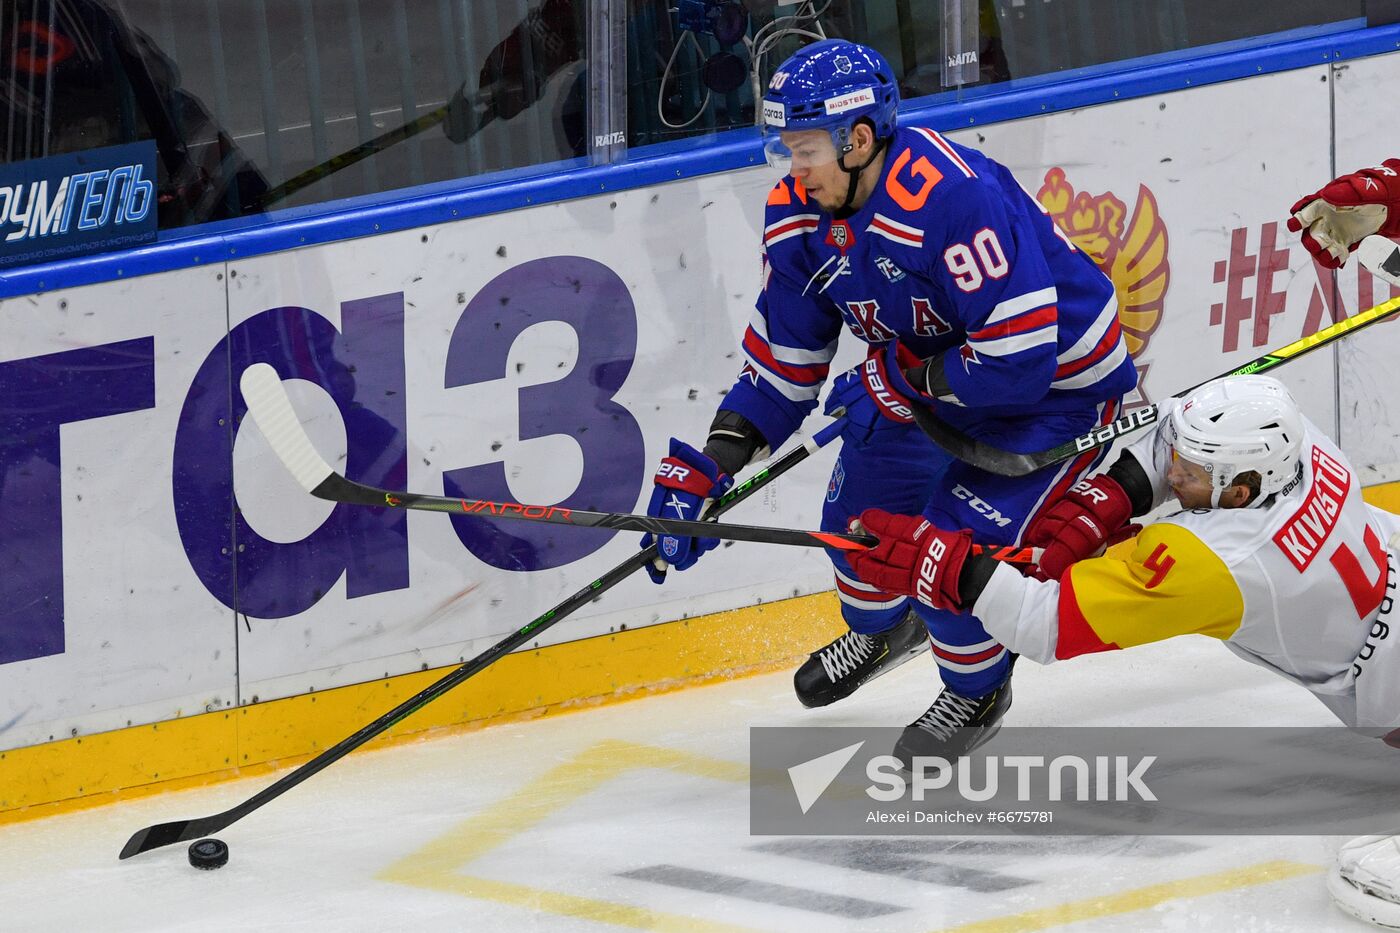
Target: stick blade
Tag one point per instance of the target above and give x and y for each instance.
(1381, 257)
(272, 410)
(164, 834)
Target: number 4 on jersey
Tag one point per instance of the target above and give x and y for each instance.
(1365, 594)
(1160, 564)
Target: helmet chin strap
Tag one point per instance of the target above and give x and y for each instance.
(853, 174)
(1216, 491)
(1219, 488)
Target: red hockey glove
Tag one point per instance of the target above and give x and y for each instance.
(883, 375)
(913, 558)
(1091, 516)
(1347, 210)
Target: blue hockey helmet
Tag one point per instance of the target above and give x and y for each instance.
(828, 85)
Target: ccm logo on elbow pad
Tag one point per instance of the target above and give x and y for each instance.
(881, 393)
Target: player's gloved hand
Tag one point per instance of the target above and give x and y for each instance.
(913, 557)
(685, 482)
(849, 400)
(1347, 210)
(875, 394)
(883, 375)
(1090, 517)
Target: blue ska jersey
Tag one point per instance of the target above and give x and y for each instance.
(949, 255)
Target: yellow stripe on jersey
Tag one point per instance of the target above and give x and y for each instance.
(1172, 584)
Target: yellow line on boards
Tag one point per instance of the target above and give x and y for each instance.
(87, 771)
(1111, 905)
(1386, 496)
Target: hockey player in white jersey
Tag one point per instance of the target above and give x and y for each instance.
(1332, 222)
(1274, 553)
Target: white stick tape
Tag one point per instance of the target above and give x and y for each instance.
(272, 410)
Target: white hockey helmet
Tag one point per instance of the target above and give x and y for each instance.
(1240, 423)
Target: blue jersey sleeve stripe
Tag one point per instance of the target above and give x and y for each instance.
(1030, 301)
(1096, 373)
(892, 229)
(1031, 320)
(1015, 343)
(794, 225)
(1107, 345)
(1090, 343)
(792, 391)
(803, 376)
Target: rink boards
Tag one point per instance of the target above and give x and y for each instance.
(164, 575)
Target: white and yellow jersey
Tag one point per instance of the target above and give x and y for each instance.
(1301, 585)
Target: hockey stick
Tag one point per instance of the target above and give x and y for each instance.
(164, 834)
(348, 158)
(1379, 255)
(268, 403)
(458, 128)
(272, 410)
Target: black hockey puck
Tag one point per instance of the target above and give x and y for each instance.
(208, 854)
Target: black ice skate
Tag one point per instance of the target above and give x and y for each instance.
(836, 671)
(954, 725)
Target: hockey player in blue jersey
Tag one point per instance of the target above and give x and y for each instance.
(971, 302)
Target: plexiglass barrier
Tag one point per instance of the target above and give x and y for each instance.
(255, 105)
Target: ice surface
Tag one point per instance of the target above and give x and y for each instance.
(635, 815)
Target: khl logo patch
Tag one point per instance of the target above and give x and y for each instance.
(838, 478)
